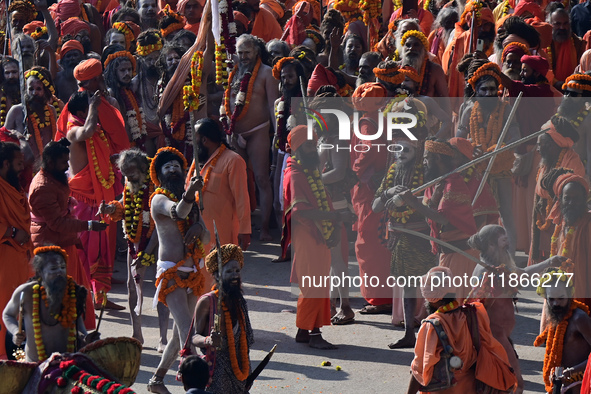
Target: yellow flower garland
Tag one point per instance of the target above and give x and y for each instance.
(107, 184)
(191, 93)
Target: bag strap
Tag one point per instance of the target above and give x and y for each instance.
(472, 320)
(443, 338)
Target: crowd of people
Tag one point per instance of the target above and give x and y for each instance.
(162, 126)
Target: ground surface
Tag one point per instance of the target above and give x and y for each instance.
(368, 366)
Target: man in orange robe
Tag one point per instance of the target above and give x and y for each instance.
(460, 45)
(573, 240)
(311, 250)
(94, 177)
(192, 11)
(225, 191)
(555, 147)
(264, 25)
(566, 48)
(15, 223)
(52, 219)
(492, 364)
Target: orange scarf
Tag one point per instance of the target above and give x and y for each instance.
(566, 59)
(15, 213)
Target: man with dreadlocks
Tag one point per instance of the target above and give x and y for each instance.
(568, 335)
(41, 115)
(10, 90)
(410, 255)
(139, 232)
(228, 349)
(120, 66)
(482, 120)
(149, 45)
(577, 93)
(432, 82)
(22, 12)
(53, 325)
(288, 72)
(556, 151)
(181, 236)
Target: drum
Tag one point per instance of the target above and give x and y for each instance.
(15, 376)
(118, 356)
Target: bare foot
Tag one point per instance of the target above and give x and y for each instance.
(317, 342)
(376, 309)
(343, 317)
(302, 336)
(281, 259)
(265, 236)
(407, 342)
(161, 346)
(156, 385)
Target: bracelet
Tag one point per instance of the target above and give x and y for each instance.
(384, 197)
(13, 235)
(90, 225)
(173, 213)
(187, 200)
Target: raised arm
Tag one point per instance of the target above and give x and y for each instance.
(79, 134)
(41, 6)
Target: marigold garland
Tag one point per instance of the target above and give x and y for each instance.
(390, 75)
(51, 248)
(37, 125)
(210, 168)
(126, 54)
(418, 35)
(67, 317)
(279, 65)
(488, 138)
(136, 211)
(417, 180)
(315, 182)
(571, 82)
(106, 183)
(145, 50)
(3, 110)
(489, 68)
(240, 371)
(242, 98)
(473, 6)
(191, 93)
(39, 32)
(553, 336)
(40, 77)
(172, 28)
(581, 115)
(448, 307)
(521, 45)
(86, 383)
(554, 251)
(123, 28)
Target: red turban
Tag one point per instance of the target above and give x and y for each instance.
(321, 77)
(513, 48)
(67, 9)
(435, 290)
(70, 45)
(369, 97)
(88, 69)
(74, 26)
(537, 63)
(180, 6)
(297, 136)
(463, 145)
(528, 6)
(31, 27)
(240, 17)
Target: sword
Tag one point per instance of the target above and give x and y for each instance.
(499, 143)
(478, 160)
(195, 158)
(21, 314)
(21, 74)
(252, 377)
(218, 315)
(102, 310)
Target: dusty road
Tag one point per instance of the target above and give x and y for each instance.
(368, 366)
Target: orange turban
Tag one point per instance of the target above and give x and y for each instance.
(69, 45)
(240, 17)
(31, 27)
(74, 26)
(559, 139)
(559, 184)
(180, 6)
(88, 69)
(369, 97)
(463, 146)
(435, 290)
(486, 16)
(528, 6)
(297, 136)
(321, 76)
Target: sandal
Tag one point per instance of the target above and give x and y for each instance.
(156, 385)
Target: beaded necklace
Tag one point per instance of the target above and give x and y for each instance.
(448, 307)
